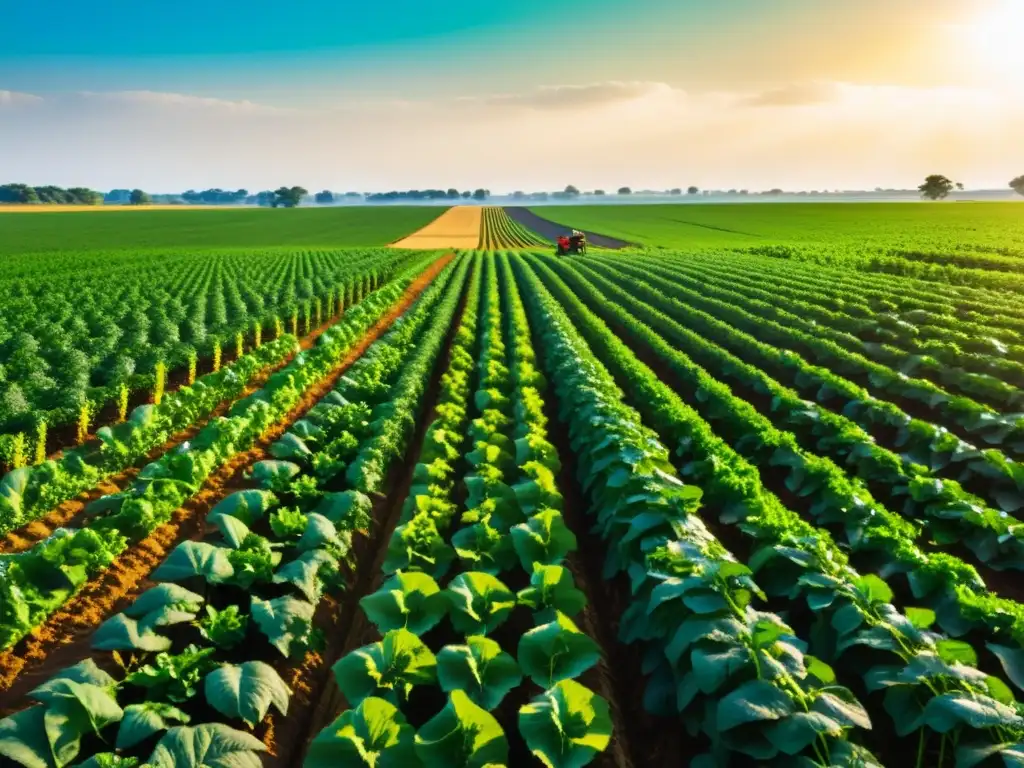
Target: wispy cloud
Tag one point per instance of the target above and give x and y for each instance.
(16, 99)
(794, 95)
(563, 97)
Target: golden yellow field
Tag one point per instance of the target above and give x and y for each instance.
(458, 227)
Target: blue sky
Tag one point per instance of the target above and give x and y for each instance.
(399, 93)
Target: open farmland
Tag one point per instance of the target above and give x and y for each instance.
(141, 228)
(461, 502)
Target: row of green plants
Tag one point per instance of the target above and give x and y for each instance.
(950, 516)
(773, 324)
(38, 581)
(986, 472)
(72, 342)
(885, 541)
(959, 343)
(993, 377)
(927, 685)
(28, 493)
(511, 528)
(933, 304)
(202, 652)
(499, 230)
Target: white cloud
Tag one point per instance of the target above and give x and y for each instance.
(644, 134)
(16, 99)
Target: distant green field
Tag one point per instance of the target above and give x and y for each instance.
(996, 228)
(255, 228)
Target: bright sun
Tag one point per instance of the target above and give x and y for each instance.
(995, 40)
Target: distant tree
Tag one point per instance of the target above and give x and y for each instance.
(518, 195)
(598, 191)
(18, 193)
(324, 198)
(675, 191)
(692, 190)
(1017, 185)
(288, 197)
(744, 192)
(265, 198)
(467, 194)
(480, 194)
(775, 191)
(138, 197)
(936, 187)
(571, 190)
(625, 191)
(354, 194)
(452, 194)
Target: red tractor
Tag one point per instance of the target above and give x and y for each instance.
(576, 244)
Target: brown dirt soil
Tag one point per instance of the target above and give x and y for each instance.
(64, 638)
(65, 514)
(458, 227)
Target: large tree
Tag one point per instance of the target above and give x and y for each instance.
(1017, 185)
(937, 187)
(138, 197)
(571, 191)
(325, 198)
(692, 190)
(625, 191)
(289, 197)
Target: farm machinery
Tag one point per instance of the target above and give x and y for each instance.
(575, 244)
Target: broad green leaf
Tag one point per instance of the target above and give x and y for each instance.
(163, 596)
(83, 672)
(921, 618)
(348, 510)
(143, 720)
(552, 589)
(283, 620)
(387, 669)
(119, 633)
(302, 572)
(480, 668)
(556, 651)
(319, 533)
(793, 734)
(950, 710)
(211, 745)
(566, 726)
(876, 590)
(373, 734)
(1012, 660)
(269, 473)
(410, 601)
(231, 528)
(951, 651)
(841, 705)
(544, 538)
(23, 739)
(248, 506)
(246, 691)
(753, 701)
(195, 558)
(462, 735)
(74, 710)
(478, 602)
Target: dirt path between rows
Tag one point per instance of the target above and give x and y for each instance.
(64, 638)
(67, 512)
(552, 231)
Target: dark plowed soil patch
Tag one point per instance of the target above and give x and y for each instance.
(64, 638)
(552, 231)
(66, 514)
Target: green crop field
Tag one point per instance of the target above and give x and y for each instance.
(332, 227)
(995, 228)
(749, 495)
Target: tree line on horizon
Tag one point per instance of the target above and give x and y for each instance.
(935, 187)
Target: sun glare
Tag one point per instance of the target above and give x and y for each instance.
(996, 41)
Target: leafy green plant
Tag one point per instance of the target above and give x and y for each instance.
(209, 744)
(552, 589)
(143, 720)
(462, 735)
(175, 677)
(286, 621)
(246, 691)
(288, 523)
(410, 601)
(566, 726)
(478, 603)
(225, 628)
(373, 734)
(480, 668)
(556, 651)
(387, 669)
